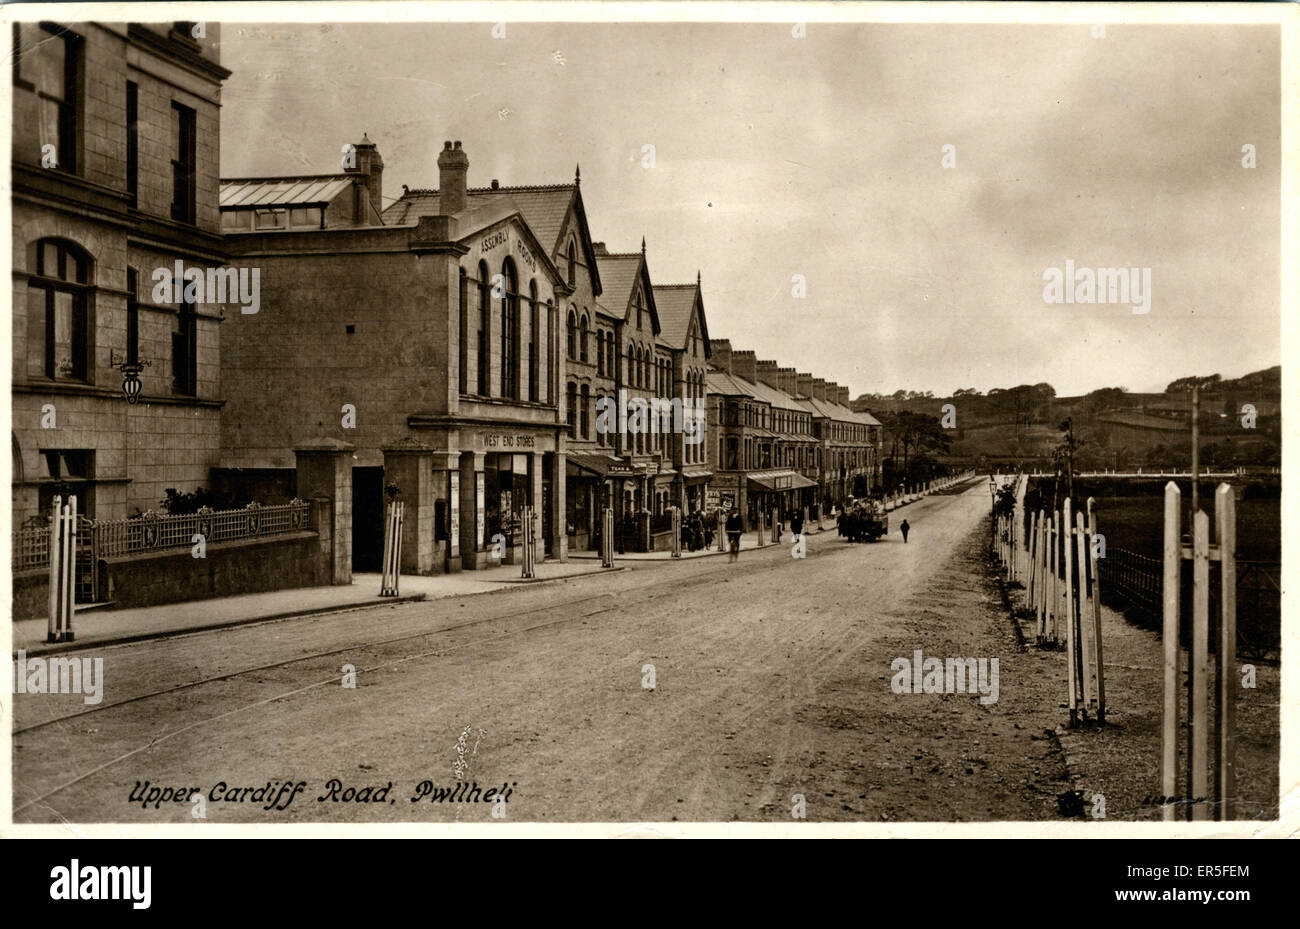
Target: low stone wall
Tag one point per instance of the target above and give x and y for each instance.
(31, 594)
(280, 562)
(249, 566)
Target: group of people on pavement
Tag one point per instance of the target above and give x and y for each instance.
(697, 531)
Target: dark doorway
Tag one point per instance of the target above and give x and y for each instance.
(367, 519)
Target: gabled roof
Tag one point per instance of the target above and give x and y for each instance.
(676, 304)
(544, 206)
(480, 216)
(303, 190)
(620, 272)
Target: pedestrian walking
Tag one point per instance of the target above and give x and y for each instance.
(733, 534)
(903, 528)
(796, 522)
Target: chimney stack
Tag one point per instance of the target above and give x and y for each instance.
(744, 364)
(804, 384)
(844, 397)
(720, 354)
(369, 168)
(786, 381)
(453, 173)
(767, 373)
(819, 389)
(600, 250)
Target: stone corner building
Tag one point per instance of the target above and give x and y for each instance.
(423, 336)
(114, 155)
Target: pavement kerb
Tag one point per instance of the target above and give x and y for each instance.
(52, 648)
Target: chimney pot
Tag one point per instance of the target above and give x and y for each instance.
(453, 171)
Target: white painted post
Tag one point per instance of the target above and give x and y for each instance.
(1099, 652)
(1198, 728)
(530, 545)
(607, 538)
(1171, 595)
(56, 570)
(1085, 645)
(1072, 645)
(1225, 784)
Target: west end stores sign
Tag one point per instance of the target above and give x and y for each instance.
(502, 237)
(506, 440)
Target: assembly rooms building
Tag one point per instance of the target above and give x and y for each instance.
(421, 348)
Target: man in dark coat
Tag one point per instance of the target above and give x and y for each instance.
(733, 534)
(796, 522)
(903, 528)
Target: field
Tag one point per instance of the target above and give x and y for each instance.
(1130, 514)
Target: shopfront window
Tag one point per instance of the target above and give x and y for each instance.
(508, 488)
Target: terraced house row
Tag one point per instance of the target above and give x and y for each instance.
(458, 348)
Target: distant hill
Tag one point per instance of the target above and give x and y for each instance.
(1113, 428)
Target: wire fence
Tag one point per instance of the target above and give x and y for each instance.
(1131, 583)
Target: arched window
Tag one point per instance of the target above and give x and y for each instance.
(571, 415)
(463, 309)
(510, 331)
(534, 343)
(631, 365)
(573, 273)
(600, 351)
(484, 326)
(582, 339)
(58, 325)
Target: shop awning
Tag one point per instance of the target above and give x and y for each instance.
(778, 480)
(696, 475)
(595, 463)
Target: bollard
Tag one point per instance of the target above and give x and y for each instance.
(530, 544)
(607, 538)
(677, 531)
(759, 520)
(392, 572)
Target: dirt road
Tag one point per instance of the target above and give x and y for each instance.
(772, 678)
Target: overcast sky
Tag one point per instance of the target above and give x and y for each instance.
(821, 156)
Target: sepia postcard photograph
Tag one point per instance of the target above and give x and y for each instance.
(666, 419)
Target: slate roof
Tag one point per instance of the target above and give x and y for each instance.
(674, 303)
(618, 275)
(544, 207)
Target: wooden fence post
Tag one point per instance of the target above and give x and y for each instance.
(1096, 614)
(1171, 595)
(1072, 646)
(1198, 697)
(1085, 645)
(1225, 513)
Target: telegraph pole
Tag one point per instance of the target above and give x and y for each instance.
(1196, 449)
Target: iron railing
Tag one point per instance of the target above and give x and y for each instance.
(31, 548)
(167, 533)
